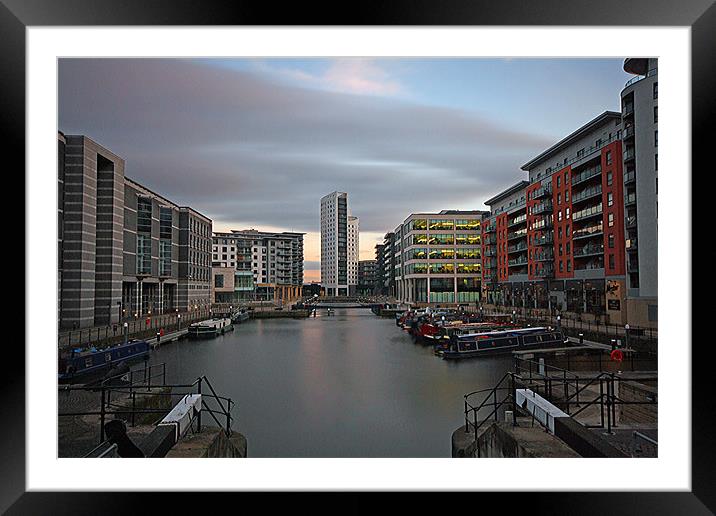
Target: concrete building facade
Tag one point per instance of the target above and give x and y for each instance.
(640, 139)
(90, 220)
(119, 243)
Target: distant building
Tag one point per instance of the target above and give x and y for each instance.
(367, 277)
(438, 258)
(385, 258)
(339, 246)
(231, 262)
(124, 251)
(268, 265)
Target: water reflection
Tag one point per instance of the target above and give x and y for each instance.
(347, 385)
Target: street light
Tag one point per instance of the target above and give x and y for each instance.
(178, 322)
(126, 331)
(626, 334)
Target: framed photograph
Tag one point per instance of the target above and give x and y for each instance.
(417, 250)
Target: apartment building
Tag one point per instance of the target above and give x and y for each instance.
(438, 258)
(368, 277)
(640, 140)
(339, 246)
(557, 240)
(232, 268)
(385, 268)
(274, 261)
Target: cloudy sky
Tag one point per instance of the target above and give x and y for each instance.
(255, 143)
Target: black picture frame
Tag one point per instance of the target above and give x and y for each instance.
(700, 15)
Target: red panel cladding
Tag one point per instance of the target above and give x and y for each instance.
(615, 187)
(562, 190)
(532, 250)
(501, 225)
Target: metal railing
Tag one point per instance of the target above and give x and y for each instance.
(128, 407)
(572, 394)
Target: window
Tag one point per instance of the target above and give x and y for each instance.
(656, 113)
(656, 162)
(559, 215)
(566, 195)
(566, 177)
(568, 248)
(559, 198)
(609, 157)
(611, 262)
(560, 249)
(144, 215)
(656, 138)
(610, 240)
(567, 230)
(219, 281)
(569, 265)
(567, 213)
(558, 179)
(598, 143)
(561, 266)
(610, 199)
(580, 153)
(609, 179)
(656, 90)
(611, 220)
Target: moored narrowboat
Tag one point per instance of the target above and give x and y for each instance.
(502, 342)
(210, 328)
(89, 364)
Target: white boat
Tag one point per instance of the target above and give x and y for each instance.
(210, 328)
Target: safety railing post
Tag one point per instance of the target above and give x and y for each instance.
(198, 418)
(101, 417)
(134, 404)
(467, 422)
(601, 401)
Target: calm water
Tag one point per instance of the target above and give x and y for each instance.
(348, 385)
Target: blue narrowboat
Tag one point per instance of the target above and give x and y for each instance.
(472, 345)
(84, 364)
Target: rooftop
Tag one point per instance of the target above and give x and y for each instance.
(576, 135)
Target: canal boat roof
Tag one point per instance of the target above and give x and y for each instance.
(515, 330)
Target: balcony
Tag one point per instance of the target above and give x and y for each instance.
(592, 231)
(516, 262)
(516, 235)
(545, 207)
(544, 240)
(627, 109)
(586, 175)
(638, 78)
(629, 177)
(630, 222)
(542, 225)
(547, 272)
(586, 194)
(628, 132)
(630, 199)
(631, 244)
(632, 266)
(587, 213)
(588, 250)
(490, 229)
(545, 257)
(545, 191)
(590, 266)
(517, 248)
(517, 221)
(629, 154)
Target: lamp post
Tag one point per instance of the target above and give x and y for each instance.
(178, 322)
(126, 331)
(559, 322)
(626, 334)
(514, 317)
